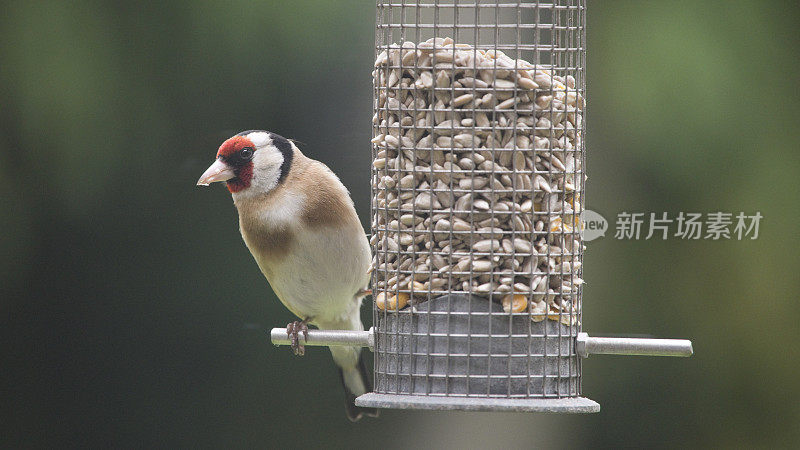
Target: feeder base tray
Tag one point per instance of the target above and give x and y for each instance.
(574, 405)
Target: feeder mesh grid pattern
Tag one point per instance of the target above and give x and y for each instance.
(476, 192)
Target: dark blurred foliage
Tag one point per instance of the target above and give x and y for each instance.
(132, 315)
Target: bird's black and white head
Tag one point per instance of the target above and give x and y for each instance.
(252, 162)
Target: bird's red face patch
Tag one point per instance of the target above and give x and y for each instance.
(233, 146)
(231, 151)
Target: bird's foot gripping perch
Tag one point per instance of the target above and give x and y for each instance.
(293, 330)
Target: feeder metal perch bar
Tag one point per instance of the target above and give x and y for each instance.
(586, 345)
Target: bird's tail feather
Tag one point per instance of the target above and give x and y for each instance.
(354, 413)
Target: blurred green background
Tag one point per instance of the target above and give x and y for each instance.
(131, 314)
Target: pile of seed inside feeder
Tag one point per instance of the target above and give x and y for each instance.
(478, 179)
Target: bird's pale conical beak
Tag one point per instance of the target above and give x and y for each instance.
(219, 171)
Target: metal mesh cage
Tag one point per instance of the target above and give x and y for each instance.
(477, 186)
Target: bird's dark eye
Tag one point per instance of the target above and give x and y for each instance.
(246, 153)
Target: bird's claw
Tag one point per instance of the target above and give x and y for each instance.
(293, 331)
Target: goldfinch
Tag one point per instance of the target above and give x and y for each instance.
(299, 223)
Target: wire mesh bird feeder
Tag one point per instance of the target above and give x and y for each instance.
(478, 183)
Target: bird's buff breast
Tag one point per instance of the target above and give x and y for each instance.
(314, 273)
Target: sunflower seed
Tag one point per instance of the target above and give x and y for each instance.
(451, 180)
